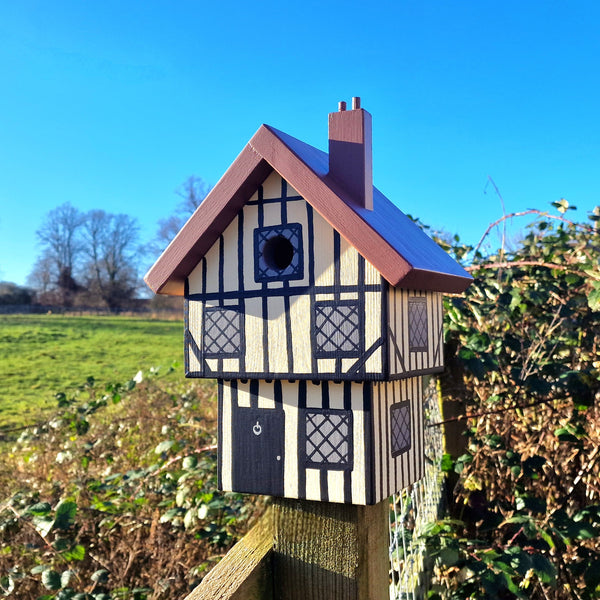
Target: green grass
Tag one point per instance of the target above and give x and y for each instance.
(41, 355)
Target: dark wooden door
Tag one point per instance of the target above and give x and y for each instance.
(258, 451)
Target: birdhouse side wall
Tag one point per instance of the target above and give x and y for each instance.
(303, 439)
(282, 295)
(398, 435)
(415, 332)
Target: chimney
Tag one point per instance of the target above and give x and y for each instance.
(350, 152)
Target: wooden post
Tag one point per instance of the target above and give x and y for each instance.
(245, 572)
(303, 550)
(326, 551)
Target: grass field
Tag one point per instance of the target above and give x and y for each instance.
(41, 355)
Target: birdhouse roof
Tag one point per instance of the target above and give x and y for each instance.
(404, 255)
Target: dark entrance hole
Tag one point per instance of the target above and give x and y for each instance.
(278, 252)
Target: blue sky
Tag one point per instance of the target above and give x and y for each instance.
(113, 104)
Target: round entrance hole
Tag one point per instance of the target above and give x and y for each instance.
(278, 253)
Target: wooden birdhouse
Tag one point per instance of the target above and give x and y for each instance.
(317, 305)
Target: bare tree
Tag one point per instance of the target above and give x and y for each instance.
(40, 277)
(92, 256)
(192, 191)
(112, 252)
(61, 244)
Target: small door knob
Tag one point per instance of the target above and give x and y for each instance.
(257, 429)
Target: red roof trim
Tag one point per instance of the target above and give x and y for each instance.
(202, 230)
(267, 151)
(325, 196)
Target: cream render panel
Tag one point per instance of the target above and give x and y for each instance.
(415, 332)
(270, 422)
(348, 442)
(285, 296)
(397, 414)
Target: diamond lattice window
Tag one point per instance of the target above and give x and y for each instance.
(400, 427)
(222, 332)
(337, 329)
(329, 439)
(417, 324)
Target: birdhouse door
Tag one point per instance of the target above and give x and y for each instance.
(258, 450)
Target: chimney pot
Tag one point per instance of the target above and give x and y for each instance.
(342, 106)
(355, 102)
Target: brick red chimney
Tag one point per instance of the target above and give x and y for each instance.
(350, 152)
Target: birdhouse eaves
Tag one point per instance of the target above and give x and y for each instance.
(404, 255)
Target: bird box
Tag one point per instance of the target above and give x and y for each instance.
(317, 305)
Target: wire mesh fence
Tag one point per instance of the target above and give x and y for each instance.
(414, 508)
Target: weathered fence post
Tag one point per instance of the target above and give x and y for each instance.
(246, 571)
(303, 550)
(330, 551)
(317, 304)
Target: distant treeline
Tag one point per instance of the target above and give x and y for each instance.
(15, 299)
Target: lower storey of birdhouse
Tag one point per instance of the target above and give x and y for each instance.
(350, 442)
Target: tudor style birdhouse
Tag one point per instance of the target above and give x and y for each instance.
(317, 305)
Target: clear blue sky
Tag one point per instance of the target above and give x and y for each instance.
(112, 104)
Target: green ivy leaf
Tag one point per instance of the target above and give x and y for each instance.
(544, 569)
(65, 514)
(39, 569)
(7, 585)
(190, 462)
(65, 578)
(447, 463)
(41, 509)
(51, 580)
(593, 297)
(461, 461)
(75, 553)
(432, 529)
(592, 575)
(478, 342)
(164, 446)
(100, 576)
(584, 531)
(449, 556)
(466, 354)
(564, 435)
(190, 518)
(43, 525)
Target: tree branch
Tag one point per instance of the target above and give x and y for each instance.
(524, 213)
(492, 412)
(526, 263)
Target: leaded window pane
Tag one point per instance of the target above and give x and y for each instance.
(337, 329)
(400, 427)
(222, 332)
(417, 324)
(329, 439)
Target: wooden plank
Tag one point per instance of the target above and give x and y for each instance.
(330, 551)
(245, 572)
